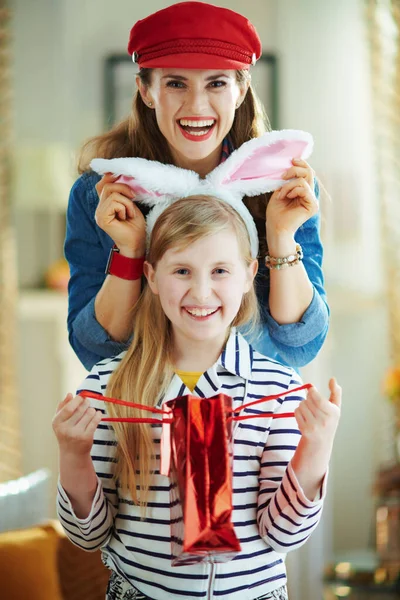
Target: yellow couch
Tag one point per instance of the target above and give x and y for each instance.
(40, 563)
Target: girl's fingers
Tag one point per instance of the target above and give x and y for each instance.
(58, 417)
(67, 399)
(307, 410)
(336, 392)
(318, 401)
(300, 419)
(86, 418)
(66, 411)
(93, 423)
(72, 411)
(69, 408)
(79, 412)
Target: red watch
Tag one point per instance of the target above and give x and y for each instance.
(123, 266)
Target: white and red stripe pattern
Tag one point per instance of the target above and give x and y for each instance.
(271, 514)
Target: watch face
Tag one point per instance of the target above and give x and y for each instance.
(113, 250)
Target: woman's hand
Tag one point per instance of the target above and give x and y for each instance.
(74, 424)
(293, 204)
(118, 216)
(318, 417)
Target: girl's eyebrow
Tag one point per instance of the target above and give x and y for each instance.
(223, 263)
(185, 265)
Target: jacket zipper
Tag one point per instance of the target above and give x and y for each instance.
(211, 582)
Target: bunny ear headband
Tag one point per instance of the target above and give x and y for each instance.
(254, 168)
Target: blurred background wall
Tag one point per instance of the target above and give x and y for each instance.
(325, 87)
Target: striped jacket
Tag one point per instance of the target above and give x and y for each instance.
(271, 514)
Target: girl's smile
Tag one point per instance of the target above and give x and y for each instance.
(201, 313)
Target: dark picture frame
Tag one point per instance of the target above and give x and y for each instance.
(119, 87)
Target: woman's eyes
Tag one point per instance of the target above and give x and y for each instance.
(175, 84)
(217, 84)
(180, 84)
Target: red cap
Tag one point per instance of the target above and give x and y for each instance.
(194, 35)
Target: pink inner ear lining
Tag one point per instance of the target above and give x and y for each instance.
(136, 187)
(269, 161)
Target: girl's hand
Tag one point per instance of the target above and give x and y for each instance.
(118, 216)
(318, 417)
(294, 203)
(74, 425)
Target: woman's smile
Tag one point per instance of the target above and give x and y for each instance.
(197, 129)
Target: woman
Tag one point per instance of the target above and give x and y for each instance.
(194, 105)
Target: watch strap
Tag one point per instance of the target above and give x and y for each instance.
(124, 267)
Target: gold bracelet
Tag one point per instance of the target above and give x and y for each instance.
(273, 262)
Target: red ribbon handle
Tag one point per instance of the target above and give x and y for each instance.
(160, 411)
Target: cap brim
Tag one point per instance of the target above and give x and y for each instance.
(193, 61)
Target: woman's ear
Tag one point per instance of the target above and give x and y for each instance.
(244, 86)
(251, 272)
(144, 92)
(150, 275)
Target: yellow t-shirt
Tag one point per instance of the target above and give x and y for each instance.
(189, 378)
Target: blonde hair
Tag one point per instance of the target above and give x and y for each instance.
(139, 135)
(145, 372)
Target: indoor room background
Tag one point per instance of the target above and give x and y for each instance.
(323, 80)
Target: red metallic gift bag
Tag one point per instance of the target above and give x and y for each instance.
(197, 454)
(201, 480)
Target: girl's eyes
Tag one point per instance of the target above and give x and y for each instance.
(180, 84)
(219, 271)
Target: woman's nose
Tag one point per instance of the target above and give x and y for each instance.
(196, 102)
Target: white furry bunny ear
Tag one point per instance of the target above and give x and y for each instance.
(258, 165)
(151, 181)
(255, 168)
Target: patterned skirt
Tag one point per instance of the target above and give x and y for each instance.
(119, 589)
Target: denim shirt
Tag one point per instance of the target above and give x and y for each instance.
(87, 248)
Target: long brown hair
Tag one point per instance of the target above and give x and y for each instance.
(139, 135)
(146, 370)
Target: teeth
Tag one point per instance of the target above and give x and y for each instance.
(187, 123)
(201, 312)
(198, 133)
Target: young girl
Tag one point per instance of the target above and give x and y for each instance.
(200, 272)
(193, 107)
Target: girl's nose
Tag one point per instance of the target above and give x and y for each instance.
(201, 290)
